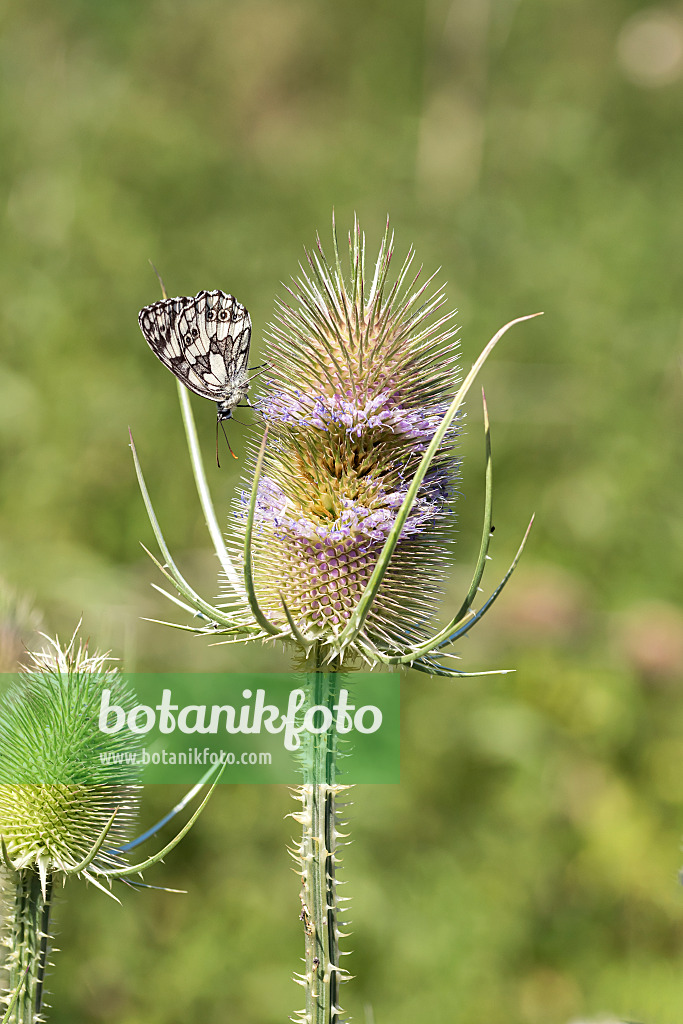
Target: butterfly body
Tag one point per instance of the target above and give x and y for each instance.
(203, 340)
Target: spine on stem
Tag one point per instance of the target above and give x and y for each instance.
(317, 859)
(27, 937)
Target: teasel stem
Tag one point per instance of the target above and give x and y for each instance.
(318, 859)
(29, 935)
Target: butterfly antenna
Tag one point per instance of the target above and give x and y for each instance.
(226, 441)
(164, 294)
(217, 459)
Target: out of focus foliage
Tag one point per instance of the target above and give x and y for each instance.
(525, 871)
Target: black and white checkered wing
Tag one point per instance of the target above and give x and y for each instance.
(204, 341)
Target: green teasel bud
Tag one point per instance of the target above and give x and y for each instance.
(68, 800)
(59, 786)
(63, 810)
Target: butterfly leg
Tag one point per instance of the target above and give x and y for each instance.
(259, 370)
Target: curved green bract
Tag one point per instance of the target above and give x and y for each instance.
(357, 620)
(170, 569)
(256, 610)
(203, 490)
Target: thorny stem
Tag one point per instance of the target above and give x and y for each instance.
(28, 941)
(318, 859)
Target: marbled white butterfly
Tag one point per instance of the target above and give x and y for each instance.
(204, 340)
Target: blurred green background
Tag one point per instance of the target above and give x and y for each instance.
(525, 870)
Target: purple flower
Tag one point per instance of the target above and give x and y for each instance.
(360, 377)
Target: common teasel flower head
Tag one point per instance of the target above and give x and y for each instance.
(360, 375)
(58, 796)
(341, 541)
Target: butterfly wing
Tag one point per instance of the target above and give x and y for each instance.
(203, 340)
